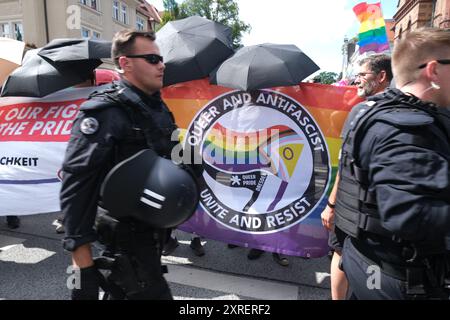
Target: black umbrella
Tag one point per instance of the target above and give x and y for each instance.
(264, 66)
(38, 78)
(68, 50)
(192, 48)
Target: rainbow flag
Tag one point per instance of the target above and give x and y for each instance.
(283, 144)
(272, 151)
(267, 155)
(372, 32)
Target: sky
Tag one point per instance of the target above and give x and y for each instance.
(317, 27)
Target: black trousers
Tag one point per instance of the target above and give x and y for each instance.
(367, 280)
(139, 276)
(134, 252)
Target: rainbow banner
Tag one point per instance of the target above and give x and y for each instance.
(372, 32)
(270, 158)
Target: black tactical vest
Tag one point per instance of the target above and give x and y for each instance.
(152, 124)
(356, 207)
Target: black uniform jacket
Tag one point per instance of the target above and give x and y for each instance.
(104, 134)
(407, 154)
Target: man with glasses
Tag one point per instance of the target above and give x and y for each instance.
(375, 75)
(393, 197)
(112, 126)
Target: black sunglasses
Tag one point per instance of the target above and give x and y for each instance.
(443, 61)
(150, 58)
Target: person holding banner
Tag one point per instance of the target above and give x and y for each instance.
(112, 126)
(393, 198)
(375, 75)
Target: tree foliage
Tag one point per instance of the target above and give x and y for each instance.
(171, 6)
(222, 11)
(171, 11)
(326, 77)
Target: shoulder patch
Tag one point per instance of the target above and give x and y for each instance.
(409, 118)
(89, 126)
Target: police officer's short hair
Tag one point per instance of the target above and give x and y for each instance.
(123, 42)
(416, 48)
(377, 63)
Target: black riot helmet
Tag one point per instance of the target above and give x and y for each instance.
(150, 189)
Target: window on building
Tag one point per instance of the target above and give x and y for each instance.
(120, 11)
(12, 30)
(140, 23)
(408, 29)
(18, 31)
(90, 3)
(94, 4)
(85, 32)
(123, 13)
(5, 30)
(116, 10)
(89, 33)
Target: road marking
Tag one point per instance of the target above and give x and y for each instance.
(7, 242)
(321, 276)
(224, 297)
(25, 255)
(238, 285)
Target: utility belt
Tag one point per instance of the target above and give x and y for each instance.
(126, 274)
(127, 234)
(425, 277)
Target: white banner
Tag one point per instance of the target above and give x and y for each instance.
(33, 138)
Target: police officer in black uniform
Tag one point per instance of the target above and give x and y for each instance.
(394, 194)
(374, 76)
(112, 126)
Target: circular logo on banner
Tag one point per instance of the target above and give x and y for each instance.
(266, 161)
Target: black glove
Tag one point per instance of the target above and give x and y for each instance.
(90, 283)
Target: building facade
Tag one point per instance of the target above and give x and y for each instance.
(40, 21)
(413, 14)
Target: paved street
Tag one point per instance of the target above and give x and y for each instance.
(33, 266)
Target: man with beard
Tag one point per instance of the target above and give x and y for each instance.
(374, 77)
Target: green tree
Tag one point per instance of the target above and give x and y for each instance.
(171, 12)
(171, 6)
(222, 11)
(326, 77)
